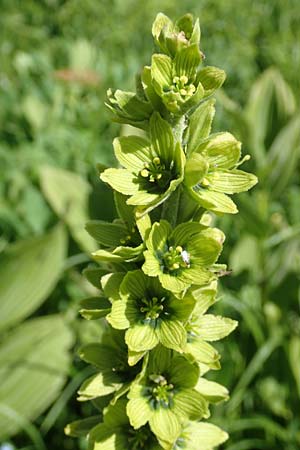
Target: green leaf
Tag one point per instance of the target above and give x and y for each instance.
(211, 391)
(107, 234)
(211, 79)
(30, 382)
(121, 180)
(161, 72)
(165, 424)
(104, 438)
(94, 308)
(70, 204)
(94, 275)
(140, 338)
(30, 270)
(200, 124)
(172, 334)
(213, 328)
(231, 181)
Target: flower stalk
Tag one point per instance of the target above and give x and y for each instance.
(157, 270)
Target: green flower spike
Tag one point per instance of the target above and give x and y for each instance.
(109, 357)
(116, 433)
(165, 396)
(183, 256)
(150, 314)
(153, 170)
(211, 173)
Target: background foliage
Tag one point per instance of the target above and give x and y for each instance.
(57, 60)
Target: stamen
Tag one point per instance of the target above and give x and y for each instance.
(144, 173)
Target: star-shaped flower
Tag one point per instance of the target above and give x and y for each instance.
(150, 314)
(183, 256)
(165, 396)
(152, 169)
(211, 173)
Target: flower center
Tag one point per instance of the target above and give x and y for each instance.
(176, 258)
(161, 392)
(182, 85)
(152, 308)
(156, 176)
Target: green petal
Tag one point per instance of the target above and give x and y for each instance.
(115, 415)
(208, 434)
(111, 285)
(99, 385)
(181, 309)
(158, 236)
(132, 152)
(107, 234)
(123, 314)
(161, 71)
(214, 328)
(151, 266)
(134, 284)
(134, 357)
(125, 211)
(173, 283)
(138, 411)
(94, 308)
(206, 246)
(222, 150)
(231, 181)
(211, 79)
(211, 391)
(214, 201)
(105, 438)
(93, 275)
(203, 353)
(159, 360)
(189, 403)
(144, 226)
(140, 338)
(187, 61)
(165, 424)
(172, 334)
(185, 231)
(121, 180)
(161, 137)
(195, 274)
(195, 169)
(143, 198)
(81, 428)
(205, 297)
(183, 373)
(200, 124)
(101, 356)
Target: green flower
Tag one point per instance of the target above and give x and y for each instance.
(115, 432)
(165, 395)
(211, 173)
(203, 328)
(114, 374)
(197, 436)
(177, 81)
(150, 314)
(183, 256)
(171, 38)
(153, 170)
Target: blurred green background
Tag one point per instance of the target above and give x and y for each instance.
(58, 57)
